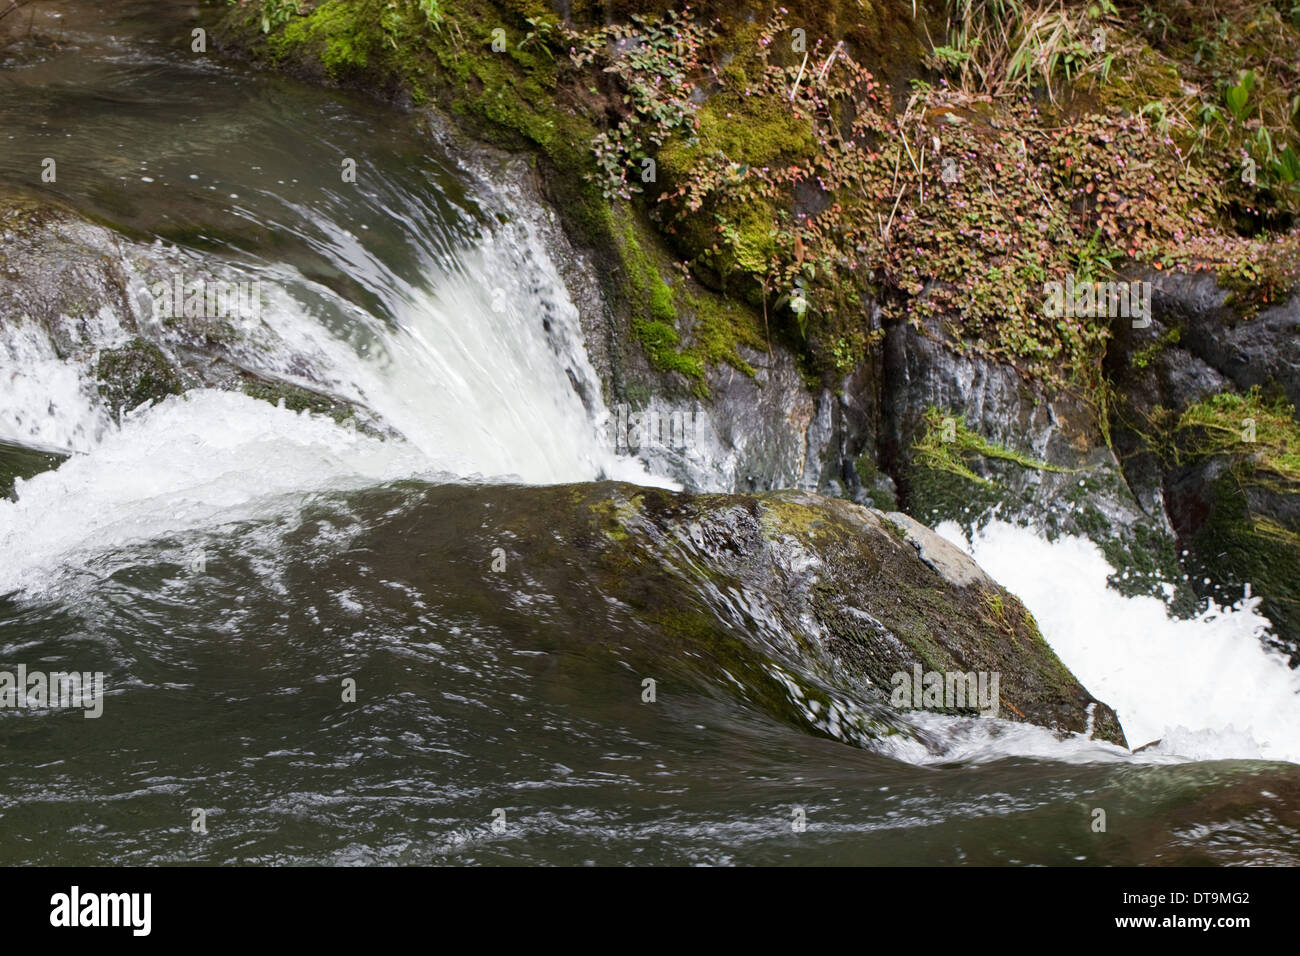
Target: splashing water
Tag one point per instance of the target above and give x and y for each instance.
(1207, 688)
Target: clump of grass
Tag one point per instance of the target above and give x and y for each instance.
(1143, 357)
(947, 445)
(1258, 435)
(1001, 46)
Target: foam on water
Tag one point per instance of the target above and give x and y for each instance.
(192, 461)
(1207, 688)
(471, 377)
(47, 402)
(977, 740)
(466, 377)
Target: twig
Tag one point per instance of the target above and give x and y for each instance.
(795, 89)
(884, 236)
(921, 179)
(839, 45)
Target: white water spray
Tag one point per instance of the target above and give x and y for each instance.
(1207, 688)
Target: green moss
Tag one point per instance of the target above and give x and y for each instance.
(717, 326)
(653, 311)
(1145, 561)
(947, 444)
(875, 483)
(936, 495)
(746, 130)
(1246, 531)
(1143, 357)
(613, 517)
(343, 35)
(720, 326)
(134, 374)
(298, 399)
(1259, 435)
(1238, 547)
(782, 515)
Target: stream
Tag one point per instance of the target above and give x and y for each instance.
(235, 569)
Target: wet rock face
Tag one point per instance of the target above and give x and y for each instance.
(810, 605)
(1237, 525)
(750, 434)
(1037, 457)
(998, 403)
(1263, 349)
(78, 292)
(136, 373)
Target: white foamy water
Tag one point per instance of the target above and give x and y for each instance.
(473, 377)
(476, 374)
(193, 461)
(45, 401)
(1207, 687)
(978, 740)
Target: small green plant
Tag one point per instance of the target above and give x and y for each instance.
(540, 33)
(275, 13)
(1237, 95)
(949, 58)
(653, 58)
(1143, 357)
(432, 11)
(1286, 165)
(1093, 262)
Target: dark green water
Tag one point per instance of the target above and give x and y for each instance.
(520, 691)
(477, 690)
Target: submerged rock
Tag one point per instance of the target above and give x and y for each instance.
(78, 294)
(137, 372)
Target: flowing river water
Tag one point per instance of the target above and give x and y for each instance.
(428, 293)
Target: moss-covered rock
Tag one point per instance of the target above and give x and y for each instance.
(134, 374)
(852, 594)
(1234, 495)
(298, 399)
(1205, 425)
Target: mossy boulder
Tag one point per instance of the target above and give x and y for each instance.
(851, 595)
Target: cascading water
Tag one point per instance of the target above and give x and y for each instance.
(420, 294)
(1207, 688)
